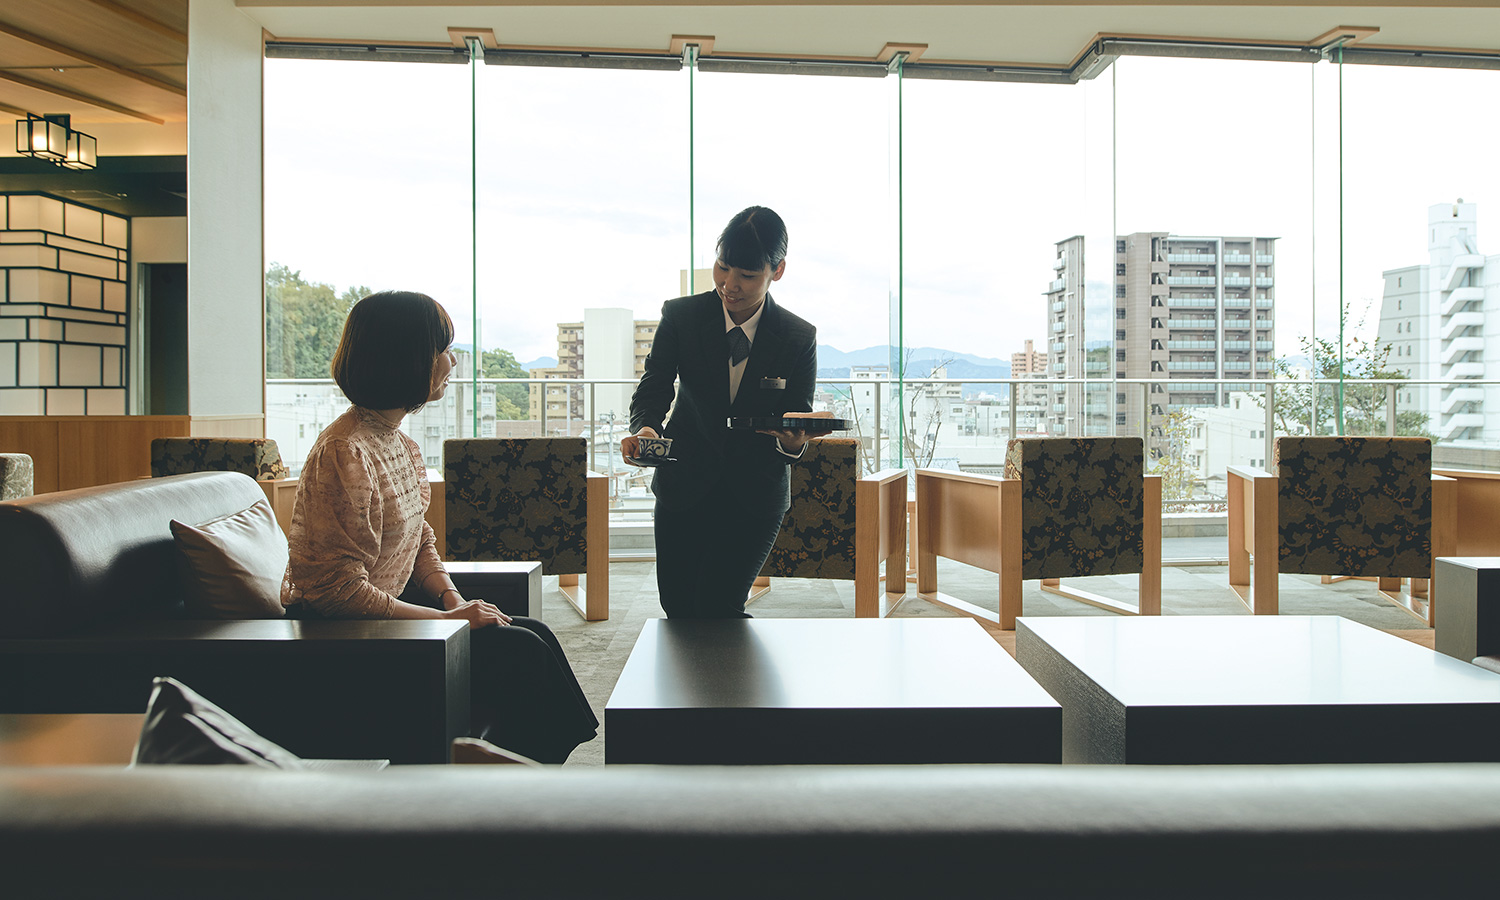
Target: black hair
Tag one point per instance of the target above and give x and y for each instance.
(390, 343)
(753, 239)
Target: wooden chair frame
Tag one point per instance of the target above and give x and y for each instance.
(965, 518)
(880, 536)
(1254, 539)
(591, 598)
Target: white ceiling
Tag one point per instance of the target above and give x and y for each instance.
(991, 32)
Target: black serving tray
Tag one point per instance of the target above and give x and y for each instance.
(816, 425)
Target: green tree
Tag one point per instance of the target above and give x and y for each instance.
(1179, 477)
(511, 400)
(1364, 405)
(304, 320)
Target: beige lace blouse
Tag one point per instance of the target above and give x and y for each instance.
(358, 527)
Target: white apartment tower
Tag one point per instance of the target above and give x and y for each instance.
(1437, 317)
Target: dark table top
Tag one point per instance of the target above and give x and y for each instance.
(822, 664)
(1256, 660)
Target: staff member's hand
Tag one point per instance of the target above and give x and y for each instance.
(792, 441)
(630, 447)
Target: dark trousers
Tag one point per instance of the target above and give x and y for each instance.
(523, 695)
(709, 551)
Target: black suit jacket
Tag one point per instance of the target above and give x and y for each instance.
(692, 348)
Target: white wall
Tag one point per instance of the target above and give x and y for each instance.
(609, 352)
(226, 356)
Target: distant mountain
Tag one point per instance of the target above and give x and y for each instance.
(834, 363)
(833, 357)
(541, 362)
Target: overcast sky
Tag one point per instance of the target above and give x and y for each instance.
(583, 185)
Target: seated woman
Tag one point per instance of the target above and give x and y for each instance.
(362, 549)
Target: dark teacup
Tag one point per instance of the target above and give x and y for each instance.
(653, 448)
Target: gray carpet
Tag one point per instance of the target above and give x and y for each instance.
(598, 650)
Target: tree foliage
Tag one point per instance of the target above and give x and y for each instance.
(1364, 405)
(511, 400)
(304, 320)
(1179, 476)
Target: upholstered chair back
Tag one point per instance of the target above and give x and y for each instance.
(259, 458)
(817, 535)
(517, 498)
(1082, 505)
(17, 476)
(1355, 505)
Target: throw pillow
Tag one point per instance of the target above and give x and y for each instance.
(232, 566)
(183, 728)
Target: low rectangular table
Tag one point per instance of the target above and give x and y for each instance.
(1262, 689)
(764, 691)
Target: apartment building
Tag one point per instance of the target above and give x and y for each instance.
(1436, 318)
(1188, 310)
(617, 346)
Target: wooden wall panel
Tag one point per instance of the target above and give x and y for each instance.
(81, 451)
(37, 438)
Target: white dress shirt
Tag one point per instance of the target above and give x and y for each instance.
(737, 370)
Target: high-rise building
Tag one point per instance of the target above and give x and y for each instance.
(1435, 318)
(1187, 311)
(617, 345)
(1032, 364)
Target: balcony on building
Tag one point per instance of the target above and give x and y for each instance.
(1056, 285)
(1192, 280)
(1236, 280)
(1191, 258)
(1236, 259)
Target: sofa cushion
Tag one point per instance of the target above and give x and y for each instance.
(232, 566)
(183, 728)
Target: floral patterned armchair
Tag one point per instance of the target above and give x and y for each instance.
(259, 458)
(17, 476)
(1366, 507)
(843, 526)
(1066, 507)
(530, 499)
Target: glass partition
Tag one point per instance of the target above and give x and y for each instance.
(815, 149)
(1420, 181)
(357, 199)
(582, 211)
(1143, 252)
(998, 197)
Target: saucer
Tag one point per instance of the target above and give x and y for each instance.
(635, 461)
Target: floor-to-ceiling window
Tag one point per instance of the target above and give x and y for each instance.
(366, 188)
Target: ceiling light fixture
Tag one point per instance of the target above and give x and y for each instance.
(52, 138)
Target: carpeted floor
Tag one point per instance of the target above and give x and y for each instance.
(598, 650)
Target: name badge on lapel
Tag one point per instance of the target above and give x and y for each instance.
(773, 384)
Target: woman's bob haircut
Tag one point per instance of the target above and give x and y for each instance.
(753, 239)
(391, 341)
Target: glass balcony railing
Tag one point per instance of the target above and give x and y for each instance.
(1236, 259)
(1198, 302)
(944, 423)
(1196, 280)
(1190, 258)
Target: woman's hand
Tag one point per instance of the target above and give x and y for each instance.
(630, 447)
(792, 441)
(477, 613)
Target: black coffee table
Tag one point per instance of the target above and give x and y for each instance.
(761, 691)
(1263, 689)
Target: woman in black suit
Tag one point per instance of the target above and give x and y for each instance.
(734, 352)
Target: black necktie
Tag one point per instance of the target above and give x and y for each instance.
(739, 345)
